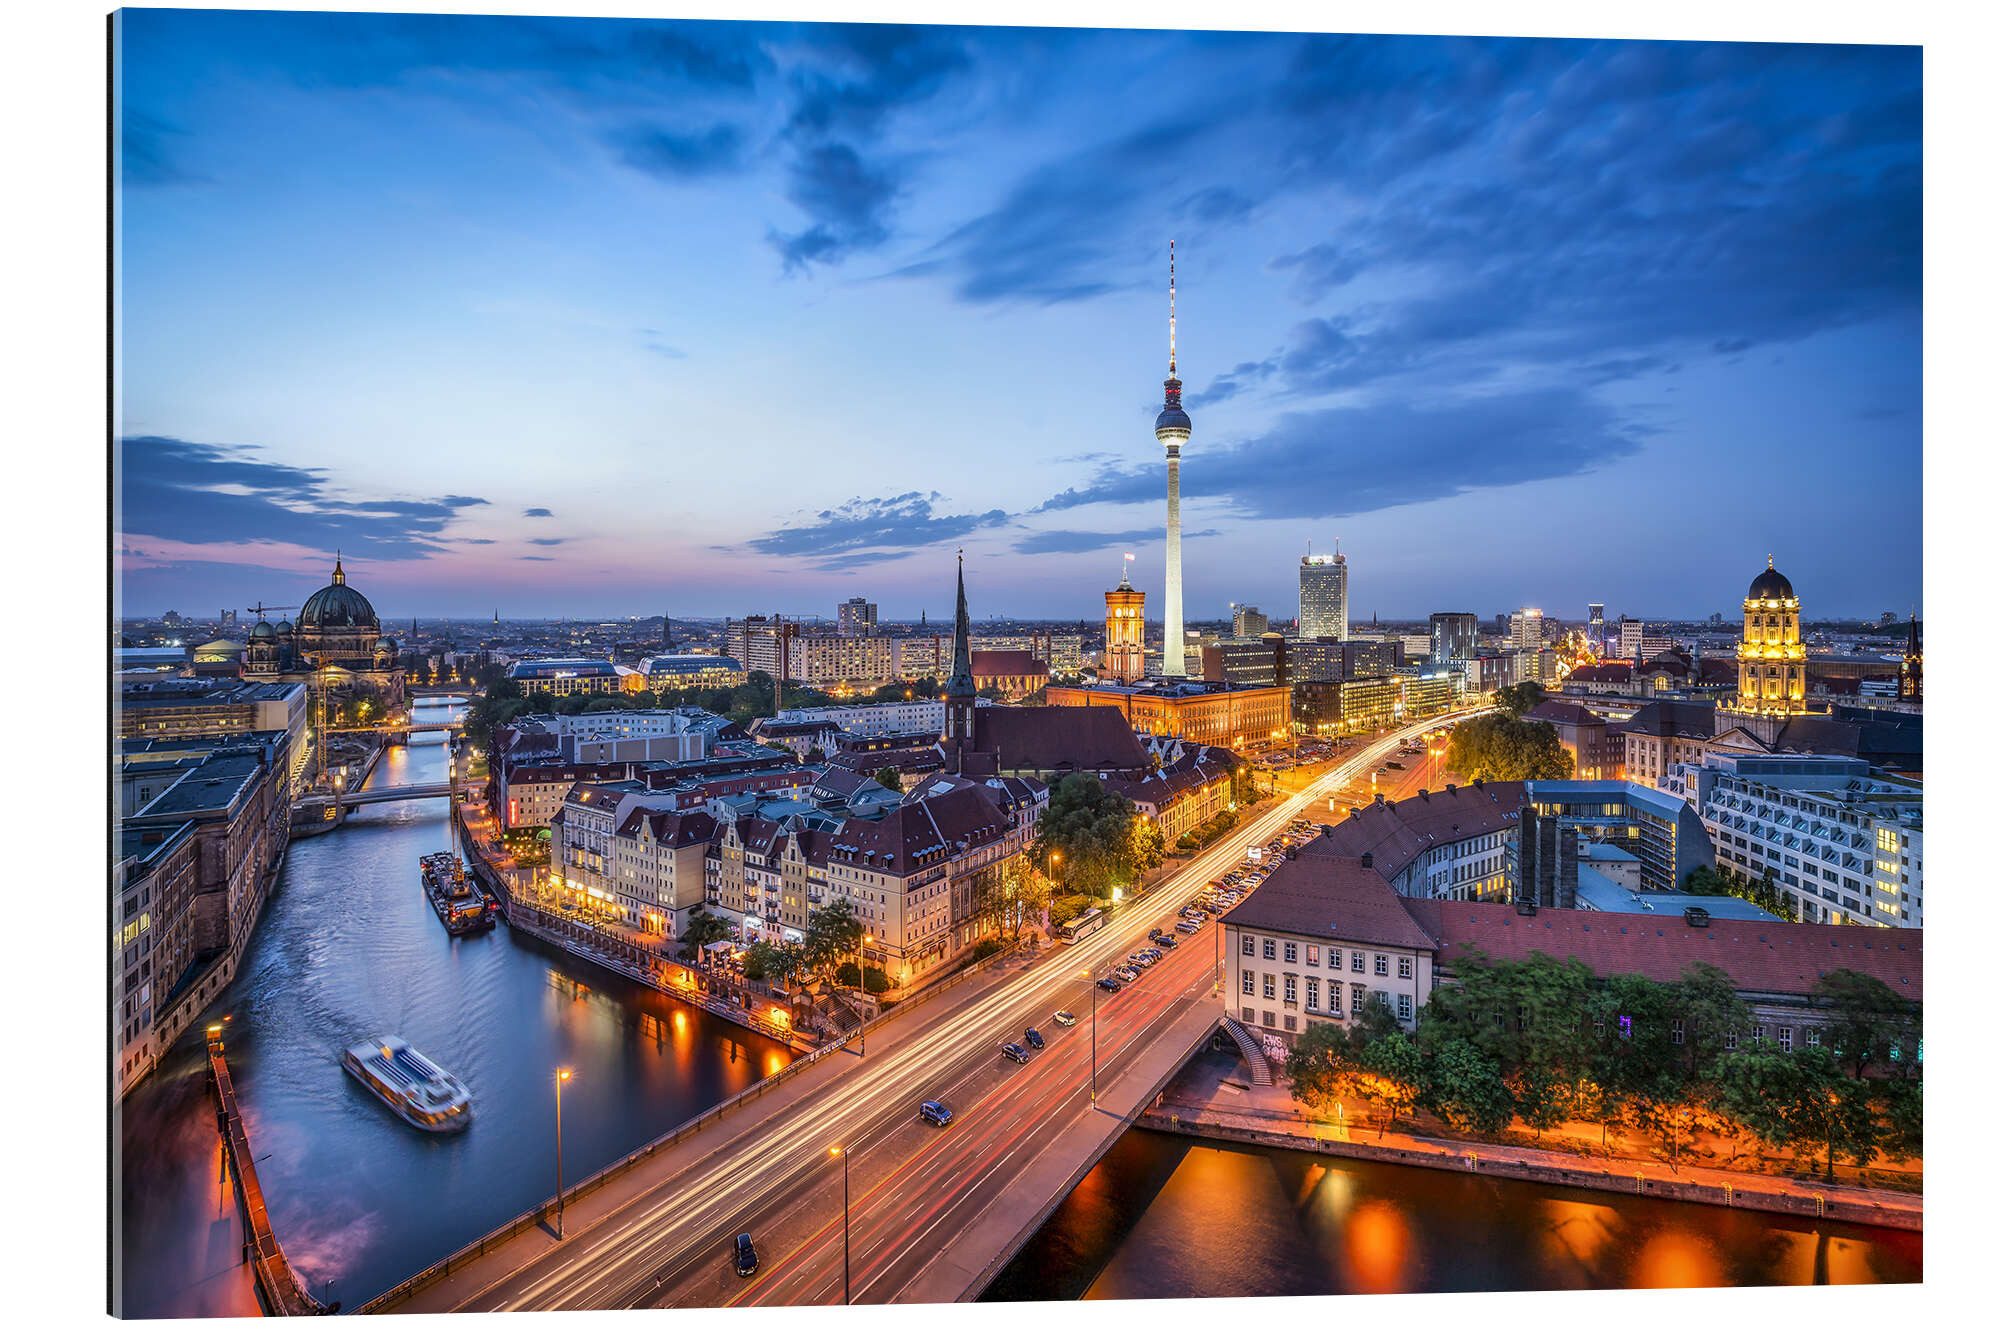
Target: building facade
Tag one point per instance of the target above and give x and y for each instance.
(1323, 596)
(1125, 632)
(1243, 718)
(1454, 638)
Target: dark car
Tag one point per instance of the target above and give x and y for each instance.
(1014, 1051)
(936, 1112)
(746, 1256)
(1166, 941)
(1034, 1039)
(1108, 983)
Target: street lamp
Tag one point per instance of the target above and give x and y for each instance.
(562, 1077)
(846, 1265)
(1090, 975)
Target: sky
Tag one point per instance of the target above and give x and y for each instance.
(616, 317)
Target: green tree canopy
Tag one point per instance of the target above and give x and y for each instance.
(1869, 1026)
(889, 778)
(1501, 748)
(1092, 829)
(1515, 700)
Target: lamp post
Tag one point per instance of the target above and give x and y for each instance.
(562, 1077)
(1090, 975)
(846, 1264)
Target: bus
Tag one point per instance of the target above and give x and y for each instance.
(1069, 932)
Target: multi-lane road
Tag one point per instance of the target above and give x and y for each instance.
(916, 1198)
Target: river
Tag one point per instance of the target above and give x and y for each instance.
(1162, 1216)
(349, 948)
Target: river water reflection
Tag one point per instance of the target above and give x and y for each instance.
(1163, 1217)
(348, 949)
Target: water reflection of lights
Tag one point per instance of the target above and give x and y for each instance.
(1379, 1248)
(1676, 1259)
(1578, 1232)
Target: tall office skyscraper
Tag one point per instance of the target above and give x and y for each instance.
(1323, 596)
(1247, 622)
(856, 616)
(1172, 429)
(1454, 639)
(1524, 630)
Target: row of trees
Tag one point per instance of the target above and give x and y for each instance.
(1546, 1043)
(1764, 892)
(1503, 748)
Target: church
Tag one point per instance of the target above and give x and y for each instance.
(337, 645)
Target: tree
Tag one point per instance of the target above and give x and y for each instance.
(1092, 829)
(1801, 1100)
(889, 778)
(1516, 700)
(1463, 1085)
(1869, 1026)
(1322, 1067)
(1392, 1072)
(703, 928)
(1710, 1010)
(832, 933)
(1507, 749)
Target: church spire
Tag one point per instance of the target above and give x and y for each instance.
(960, 683)
(339, 575)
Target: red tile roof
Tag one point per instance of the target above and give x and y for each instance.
(1333, 896)
(1398, 832)
(1007, 662)
(920, 833)
(1774, 957)
(1050, 739)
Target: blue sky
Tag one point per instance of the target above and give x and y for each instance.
(610, 316)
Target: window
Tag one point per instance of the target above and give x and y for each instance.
(1312, 955)
(1249, 1014)
(1729, 1041)
(1270, 986)
(1291, 952)
(1757, 1032)
(1357, 995)
(1357, 961)
(1291, 989)
(1249, 983)
(1270, 948)
(1312, 992)
(1291, 1022)
(1404, 1007)
(1812, 1036)
(1333, 998)
(1785, 1040)
(1249, 946)
(1381, 964)
(1405, 968)
(1679, 1032)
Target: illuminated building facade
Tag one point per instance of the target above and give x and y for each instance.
(1323, 596)
(1125, 632)
(1197, 712)
(1771, 659)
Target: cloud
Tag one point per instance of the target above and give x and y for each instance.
(543, 558)
(653, 341)
(146, 152)
(849, 198)
(863, 531)
(1333, 462)
(537, 512)
(1234, 381)
(672, 155)
(179, 490)
(547, 541)
(1066, 541)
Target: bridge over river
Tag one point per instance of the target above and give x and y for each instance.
(904, 1212)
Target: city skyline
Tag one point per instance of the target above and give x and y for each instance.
(465, 286)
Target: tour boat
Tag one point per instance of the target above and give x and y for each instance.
(456, 899)
(414, 1088)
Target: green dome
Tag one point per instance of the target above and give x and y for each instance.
(337, 606)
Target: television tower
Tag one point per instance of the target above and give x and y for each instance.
(1172, 429)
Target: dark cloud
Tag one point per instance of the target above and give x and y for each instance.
(862, 531)
(147, 152)
(537, 512)
(674, 155)
(543, 558)
(1227, 385)
(1355, 460)
(547, 541)
(1069, 541)
(849, 197)
(716, 55)
(184, 491)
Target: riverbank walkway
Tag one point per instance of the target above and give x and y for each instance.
(1213, 1101)
(283, 1291)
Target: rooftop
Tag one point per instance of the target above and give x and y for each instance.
(1335, 897)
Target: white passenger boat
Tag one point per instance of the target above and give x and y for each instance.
(414, 1088)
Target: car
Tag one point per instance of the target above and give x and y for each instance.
(1065, 1019)
(937, 1113)
(1128, 975)
(1014, 1051)
(746, 1255)
(1034, 1039)
(1140, 961)
(1169, 942)
(1109, 984)
(1188, 927)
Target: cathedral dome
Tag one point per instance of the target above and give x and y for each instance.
(337, 606)
(1771, 586)
(262, 630)
(284, 627)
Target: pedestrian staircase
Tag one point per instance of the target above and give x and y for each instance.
(1253, 1054)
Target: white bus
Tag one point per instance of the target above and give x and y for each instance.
(1069, 932)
